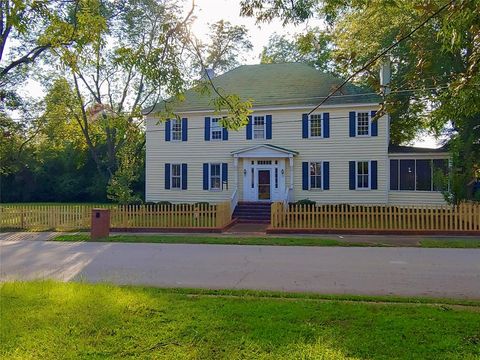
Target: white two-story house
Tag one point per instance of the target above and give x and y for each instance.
(337, 154)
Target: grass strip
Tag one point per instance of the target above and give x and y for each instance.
(192, 239)
(75, 320)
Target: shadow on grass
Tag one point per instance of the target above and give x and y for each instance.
(57, 320)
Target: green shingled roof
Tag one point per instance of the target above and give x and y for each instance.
(290, 84)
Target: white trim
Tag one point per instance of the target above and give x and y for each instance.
(322, 176)
(264, 126)
(369, 175)
(369, 115)
(322, 126)
(171, 177)
(210, 177)
(211, 129)
(299, 107)
(237, 153)
(171, 130)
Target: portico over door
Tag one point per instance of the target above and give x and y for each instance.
(264, 172)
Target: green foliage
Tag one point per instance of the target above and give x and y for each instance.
(226, 46)
(78, 320)
(305, 202)
(312, 47)
(435, 73)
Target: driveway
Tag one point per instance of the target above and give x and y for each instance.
(329, 270)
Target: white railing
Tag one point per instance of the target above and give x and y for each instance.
(233, 201)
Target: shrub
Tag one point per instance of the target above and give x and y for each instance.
(305, 202)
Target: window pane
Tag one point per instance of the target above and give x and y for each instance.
(363, 123)
(216, 129)
(407, 174)
(176, 178)
(315, 125)
(259, 127)
(316, 175)
(362, 174)
(393, 174)
(424, 175)
(176, 129)
(215, 176)
(440, 174)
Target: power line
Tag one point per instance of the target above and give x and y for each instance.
(375, 58)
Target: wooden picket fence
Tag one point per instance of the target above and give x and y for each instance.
(463, 218)
(78, 217)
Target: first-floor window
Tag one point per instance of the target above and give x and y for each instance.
(362, 175)
(315, 175)
(418, 174)
(216, 129)
(215, 177)
(176, 180)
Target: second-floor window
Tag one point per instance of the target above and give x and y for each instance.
(363, 124)
(362, 175)
(315, 125)
(259, 127)
(177, 130)
(176, 180)
(216, 129)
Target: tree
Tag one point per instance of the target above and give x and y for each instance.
(38, 26)
(225, 47)
(435, 71)
(132, 62)
(313, 48)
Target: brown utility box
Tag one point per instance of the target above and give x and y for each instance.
(100, 227)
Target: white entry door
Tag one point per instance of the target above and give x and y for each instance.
(264, 180)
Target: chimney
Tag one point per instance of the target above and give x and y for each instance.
(385, 76)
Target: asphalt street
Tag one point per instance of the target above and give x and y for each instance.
(328, 270)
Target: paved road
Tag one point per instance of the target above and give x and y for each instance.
(376, 271)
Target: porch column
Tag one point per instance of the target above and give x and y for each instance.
(291, 171)
(235, 167)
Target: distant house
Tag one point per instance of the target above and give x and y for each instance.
(334, 155)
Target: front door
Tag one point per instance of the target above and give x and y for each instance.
(264, 185)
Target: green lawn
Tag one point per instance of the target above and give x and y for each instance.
(282, 241)
(48, 320)
(472, 243)
(189, 239)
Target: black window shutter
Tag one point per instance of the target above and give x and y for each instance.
(351, 172)
(167, 176)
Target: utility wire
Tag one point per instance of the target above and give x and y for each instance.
(370, 62)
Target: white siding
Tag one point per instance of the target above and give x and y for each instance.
(339, 149)
(416, 198)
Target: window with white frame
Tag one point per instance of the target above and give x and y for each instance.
(215, 176)
(363, 123)
(177, 129)
(363, 175)
(315, 175)
(176, 176)
(215, 129)
(316, 125)
(259, 127)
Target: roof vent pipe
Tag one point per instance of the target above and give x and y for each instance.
(385, 77)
